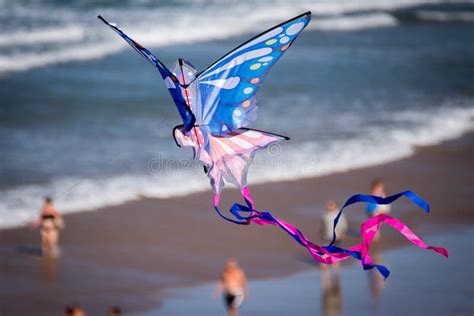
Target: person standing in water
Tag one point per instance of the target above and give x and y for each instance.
(49, 222)
(233, 285)
(376, 282)
(377, 188)
(328, 223)
(331, 303)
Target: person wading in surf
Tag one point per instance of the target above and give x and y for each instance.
(233, 285)
(49, 222)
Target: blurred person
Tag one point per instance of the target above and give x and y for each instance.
(330, 284)
(331, 299)
(115, 311)
(74, 311)
(328, 223)
(377, 188)
(50, 221)
(233, 285)
(375, 279)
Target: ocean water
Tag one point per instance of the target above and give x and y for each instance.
(85, 120)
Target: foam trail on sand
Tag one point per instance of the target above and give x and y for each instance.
(377, 147)
(438, 16)
(77, 53)
(356, 22)
(19, 206)
(41, 36)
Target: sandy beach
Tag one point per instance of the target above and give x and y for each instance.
(127, 254)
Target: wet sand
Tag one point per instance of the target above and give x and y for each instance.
(353, 292)
(126, 255)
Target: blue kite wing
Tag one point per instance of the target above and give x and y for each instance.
(171, 81)
(228, 87)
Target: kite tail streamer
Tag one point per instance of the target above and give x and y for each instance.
(370, 228)
(368, 231)
(379, 200)
(216, 207)
(331, 254)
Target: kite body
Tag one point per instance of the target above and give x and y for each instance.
(225, 149)
(217, 104)
(225, 156)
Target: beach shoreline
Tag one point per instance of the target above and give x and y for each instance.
(144, 246)
(304, 293)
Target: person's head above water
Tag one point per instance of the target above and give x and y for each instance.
(73, 311)
(48, 200)
(115, 311)
(377, 187)
(331, 206)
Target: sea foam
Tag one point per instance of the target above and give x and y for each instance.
(355, 22)
(76, 36)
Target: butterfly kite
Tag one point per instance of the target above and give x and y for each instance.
(216, 106)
